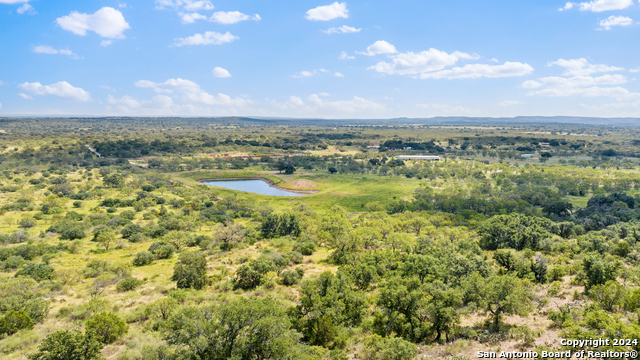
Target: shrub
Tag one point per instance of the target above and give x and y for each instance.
(143, 258)
(305, 247)
(106, 327)
(13, 262)
(111, 210)
(77, 204)
(37, 272)
(379, 348)
(14, 321)
(68, 345)
(290, 277)
(128, 214)
(191, 271)
(128, 284)
(162, 250)
(27, 222)
(294, 257)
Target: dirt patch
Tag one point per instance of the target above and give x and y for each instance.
(303, 184)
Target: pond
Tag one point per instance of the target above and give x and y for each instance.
(252, 186)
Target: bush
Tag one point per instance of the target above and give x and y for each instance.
(162, 250)
(68, 345)
(128, 284)
(111, 210)
(305, 248)
(27, 222)
(37, 272)
(13, 262)
(131, 230)
(77, 204)
(15, 321)
(106, 327)
(143, 258)
(128, 214)
(379, 348)
(291, 277)
(294, 257)
(191, 271)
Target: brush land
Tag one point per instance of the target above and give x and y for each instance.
(128, 256)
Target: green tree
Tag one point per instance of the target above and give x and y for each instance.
(106, 327)
(514, 231)
(68, 346)
(498, 295)
(598, 271)
(105, 237)
(242, 329)
(191, 271)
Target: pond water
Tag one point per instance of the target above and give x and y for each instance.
(252, 186)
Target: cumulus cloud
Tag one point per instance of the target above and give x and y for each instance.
(191, 92)
(338, 74)
(190, 18)
(26, 8)
(232, 17)
(220, 72)
(357, 104)
(344, 29)
(106, 22)
(208, 38)
(25, 96)
(344, 56)
(328, 12)
(311, 73)
(475, 71)
(60, 89)
(105, 43)
(189, 5)
(410, 63)
(46, 49)
(612, 21)
(296, 101)
(599, 5)
(582, 67)
(509, 103)
(13, 1)
(379, 47)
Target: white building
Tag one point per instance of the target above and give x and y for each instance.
(418, 157)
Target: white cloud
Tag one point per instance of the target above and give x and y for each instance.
(344, 56)
(342, 29)
(232, 17)
(105, 43)
(494, 60)
(582, 67)
(208, 38)
(475, 71)
(634, 70)
(220, 72)
(380, 47)
(26, 8)
(25, 96)
(311, 73)
(46, 49)
(577, 85)
(328, 12)
(567, 6)
(190, 18)
(599, 5)
(338, 74)
(296, 101)
(13, 1)
(410, 63)
(0, 105)
(191, 92)
(188, 5)
(106, 22)
(60, 89)
(509, 103)
(611, 21)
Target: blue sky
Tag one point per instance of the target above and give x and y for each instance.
(353, 59)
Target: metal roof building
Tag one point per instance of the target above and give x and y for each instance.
(418, 157)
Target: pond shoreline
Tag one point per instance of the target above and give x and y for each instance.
(268, 181)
